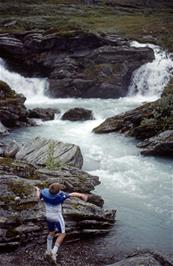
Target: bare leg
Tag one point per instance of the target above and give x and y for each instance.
(60, 239)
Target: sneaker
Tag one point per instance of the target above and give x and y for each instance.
(47, 253)
(53, 256)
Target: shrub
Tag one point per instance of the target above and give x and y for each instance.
(51, 162)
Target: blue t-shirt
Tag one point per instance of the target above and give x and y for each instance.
(53, 202)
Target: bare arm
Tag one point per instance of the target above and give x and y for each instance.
(37, 193)
(79, 195)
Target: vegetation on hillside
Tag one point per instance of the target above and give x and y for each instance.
(154, 25)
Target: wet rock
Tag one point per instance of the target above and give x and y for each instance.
(124, 122)
(3, 130)
(43, 113)
(95, 199)
(104, 72)
(82, 64)
(161, 145)
(144, 258)
(41, 151)
(11, 148)
(13, 113)
(78, 114)
(73, 178)
(143, 122)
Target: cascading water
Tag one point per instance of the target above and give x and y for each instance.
(140, 188)
(32, 88)
(150, 79)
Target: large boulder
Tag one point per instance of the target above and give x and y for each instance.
(10, 148)
(82, 64)
(43, 113)
(50, 153)
(78, 114)
(13, 113)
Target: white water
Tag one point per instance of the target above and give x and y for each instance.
(140, 188)
(150, 79)
(32, 88)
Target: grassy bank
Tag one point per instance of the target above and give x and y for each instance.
(154, 25)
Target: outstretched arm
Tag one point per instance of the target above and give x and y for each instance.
(79, 195)
(37, 193)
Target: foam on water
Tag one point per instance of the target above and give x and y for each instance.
(32, 88)
(150, 79)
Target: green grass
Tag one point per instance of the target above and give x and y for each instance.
(61, 16)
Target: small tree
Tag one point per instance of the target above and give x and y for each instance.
(51, 162)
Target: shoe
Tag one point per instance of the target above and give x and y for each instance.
(47, 253)
(53, 256)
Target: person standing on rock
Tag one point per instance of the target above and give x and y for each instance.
(53, 198)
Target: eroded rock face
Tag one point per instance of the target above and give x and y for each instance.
(78, 114)
(13, 113)
(83, 64)
(41, 151)
(22, 219)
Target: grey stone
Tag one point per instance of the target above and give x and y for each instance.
(37, 151)
(78, 114)
(160, 145)
(3, 130)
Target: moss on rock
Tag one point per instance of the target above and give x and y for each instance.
(20, 189)
(169, 89)
(6, 91)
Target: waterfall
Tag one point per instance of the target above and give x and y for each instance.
(151, 78)
(32, 88)
(147, 82)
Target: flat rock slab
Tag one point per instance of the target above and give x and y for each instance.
(39, 150)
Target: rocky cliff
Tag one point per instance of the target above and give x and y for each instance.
(81, 64)
(13, 112)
